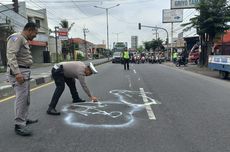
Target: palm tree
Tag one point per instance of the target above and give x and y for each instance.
(64, 23)
(210, 24)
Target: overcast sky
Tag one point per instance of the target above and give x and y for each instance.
(123, 19)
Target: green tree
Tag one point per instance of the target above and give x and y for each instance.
(64, 23)
(140, 48)
(155, 45)
(210, 24)
(6, 31)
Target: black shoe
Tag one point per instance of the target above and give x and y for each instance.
(52, 112)
(22, 130)
(30, 121)
(78, 100)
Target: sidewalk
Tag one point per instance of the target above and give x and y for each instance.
(40, 74)
(196, 69)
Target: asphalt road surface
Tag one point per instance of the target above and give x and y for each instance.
(149, 108)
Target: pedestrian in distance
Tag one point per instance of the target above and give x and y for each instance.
(126, 56)
(19, 62)
(66, 72)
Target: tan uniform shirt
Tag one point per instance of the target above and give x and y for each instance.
(18, 52)
(76, 69)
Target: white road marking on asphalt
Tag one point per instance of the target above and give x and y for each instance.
(130, 84)
(36, 88)
(147, 107)
(134, 71)
(139, 79)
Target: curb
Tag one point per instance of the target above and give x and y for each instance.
(7, 90)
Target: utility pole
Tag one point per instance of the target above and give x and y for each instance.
(171, 41)
(85, 30)
(157, 36)
(56, 27)
(117, 35)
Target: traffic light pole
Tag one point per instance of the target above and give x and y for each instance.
(15, 5)
(155, 27)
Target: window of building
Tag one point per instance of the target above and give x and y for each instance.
(38, 23)
(30, 19)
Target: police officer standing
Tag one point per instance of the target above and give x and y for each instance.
(66, 72)
(19, 62)
(125, 56)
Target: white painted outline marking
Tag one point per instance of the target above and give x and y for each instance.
(134, 71)
(147, 107)
(130, 84)
(88, 109)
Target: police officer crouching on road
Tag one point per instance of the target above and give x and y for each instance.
(19, 62)
(66, 72)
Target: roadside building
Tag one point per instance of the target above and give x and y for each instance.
(134, 42)
(222, 46)
(16, 21)
(84, 46)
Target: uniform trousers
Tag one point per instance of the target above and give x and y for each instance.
(22, 100)
(60, 80)
(126, 64)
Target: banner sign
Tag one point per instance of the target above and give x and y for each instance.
(172, 16)
(183, 4)
(63, 33)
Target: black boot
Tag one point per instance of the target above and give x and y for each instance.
(52, 111)
(22, 130)
(31, 121)
(78, 100)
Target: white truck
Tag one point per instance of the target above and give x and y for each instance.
(220, 63)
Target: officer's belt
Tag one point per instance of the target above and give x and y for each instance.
(25, 67)
(22, 66)
(57, 66)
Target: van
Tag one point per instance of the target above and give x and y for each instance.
(116, 57)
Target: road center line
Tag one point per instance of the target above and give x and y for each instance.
(130, 84)
(147, 107)
(31, 90)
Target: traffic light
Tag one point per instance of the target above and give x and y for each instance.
(139, 26)
(15, 5)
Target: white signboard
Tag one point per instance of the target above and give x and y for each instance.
(63, 34)
(182, 4)
(63, 38)
(219, 59)
(172, 16)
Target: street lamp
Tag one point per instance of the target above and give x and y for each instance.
(107, 18)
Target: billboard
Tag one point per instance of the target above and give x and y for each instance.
(172, 16)
(183, 4)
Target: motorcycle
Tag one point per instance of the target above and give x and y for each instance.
(142, 59)
(181, 61)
